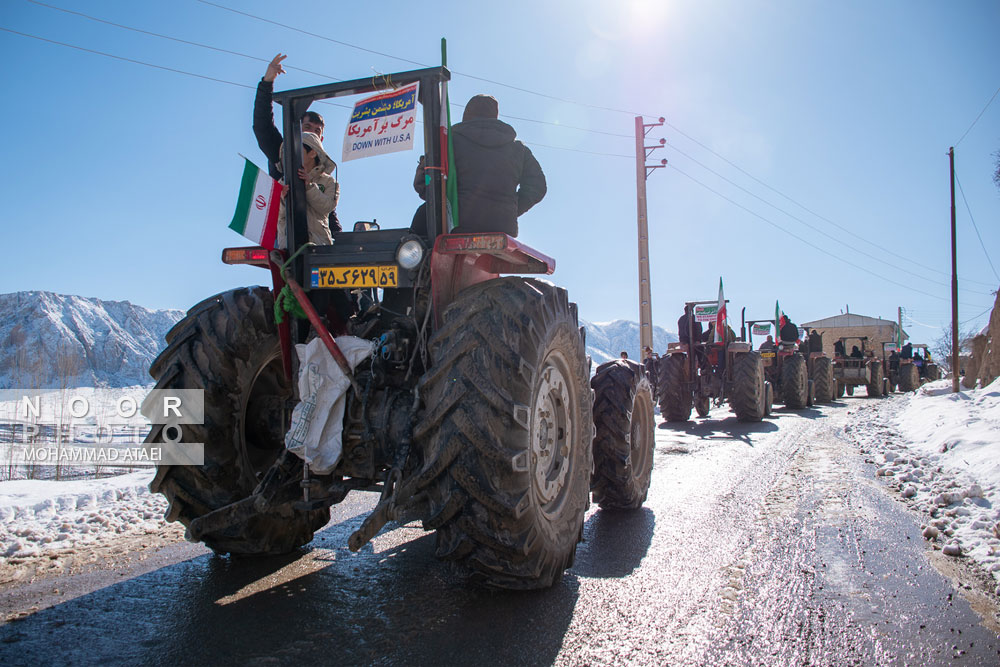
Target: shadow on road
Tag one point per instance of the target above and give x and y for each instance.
(614, 543)
(392, 603)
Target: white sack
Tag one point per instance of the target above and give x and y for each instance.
(318, 420)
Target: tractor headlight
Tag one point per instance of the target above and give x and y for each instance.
(410, 253)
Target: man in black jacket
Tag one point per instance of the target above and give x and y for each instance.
(268, 137)
(498, 177)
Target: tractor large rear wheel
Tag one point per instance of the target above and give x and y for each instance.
(874, 385)
(794, 382)
(823, 379)
(909, 377)
(624, 435)
(675, 392)
(506, 434)
(228, 346)
(749, 392)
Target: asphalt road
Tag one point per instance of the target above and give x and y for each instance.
(766, 544)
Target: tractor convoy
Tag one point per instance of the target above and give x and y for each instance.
(473, 408)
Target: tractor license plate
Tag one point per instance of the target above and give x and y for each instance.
(346, 277)
(767, 355)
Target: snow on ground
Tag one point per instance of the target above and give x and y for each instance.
(941, 450)
(40, 516)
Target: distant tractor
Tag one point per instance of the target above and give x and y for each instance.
(698, 373)
(913, 371)
(800, 377)
(850, 371)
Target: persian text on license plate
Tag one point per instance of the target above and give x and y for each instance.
(355, 276)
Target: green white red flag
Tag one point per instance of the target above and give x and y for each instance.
(777, 317)
(256, 214)
(720, 315)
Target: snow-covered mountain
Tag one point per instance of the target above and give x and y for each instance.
(607, 340)
(52, 340)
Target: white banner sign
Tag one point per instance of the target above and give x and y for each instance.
(761, 329)
(706, 313)
(382, 124)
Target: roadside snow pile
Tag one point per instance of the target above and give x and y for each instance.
(945, 459)
(41, 516)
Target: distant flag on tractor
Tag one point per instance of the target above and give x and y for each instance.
(777, 317)
(256, 214)
(720, 315)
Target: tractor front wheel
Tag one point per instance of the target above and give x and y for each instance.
(623, 435)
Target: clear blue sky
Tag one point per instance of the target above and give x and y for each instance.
(120, 178)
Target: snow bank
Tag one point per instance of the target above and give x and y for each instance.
(40, 516)
(943, 454)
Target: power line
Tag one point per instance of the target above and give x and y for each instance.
(531, 120)
(807, 242)
(974, 226)
(201, 76)
(146, 64)
(979, 116)
(174, 39)
(589, 106)
(812, 227)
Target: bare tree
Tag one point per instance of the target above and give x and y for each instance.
(942, 346)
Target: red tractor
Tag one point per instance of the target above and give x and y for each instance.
(475, 413)
(801, 377)
(701, 373)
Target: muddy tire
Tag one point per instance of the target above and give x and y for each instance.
(909, 377)
(794, 382)
(823, 379)
(768, 398)
(623, 435)
(874, 387)
(506, 433)
(932, 373)
(841, 389)
(850, 390)
(228, 346)
(675, 394)
(749, 392)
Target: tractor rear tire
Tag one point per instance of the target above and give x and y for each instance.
(850, 390)
(675, 396)
(228, 346)
(932, 373)
(794, 382)
(624, 435)
(749, 392)
(875, 385)
(506, 433)
(909, 377)
(841, 389)
(823, 379)
(768, 398)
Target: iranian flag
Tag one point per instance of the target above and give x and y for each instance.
(777, 317)
(256, 214)
(450, 202)
(720, 315)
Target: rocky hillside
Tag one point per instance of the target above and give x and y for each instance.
(52, 340)
(607, 340)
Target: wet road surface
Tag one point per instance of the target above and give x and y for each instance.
(763, 544)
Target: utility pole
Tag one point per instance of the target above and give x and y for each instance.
(899, 327)
(642, 172)
(954, 281)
